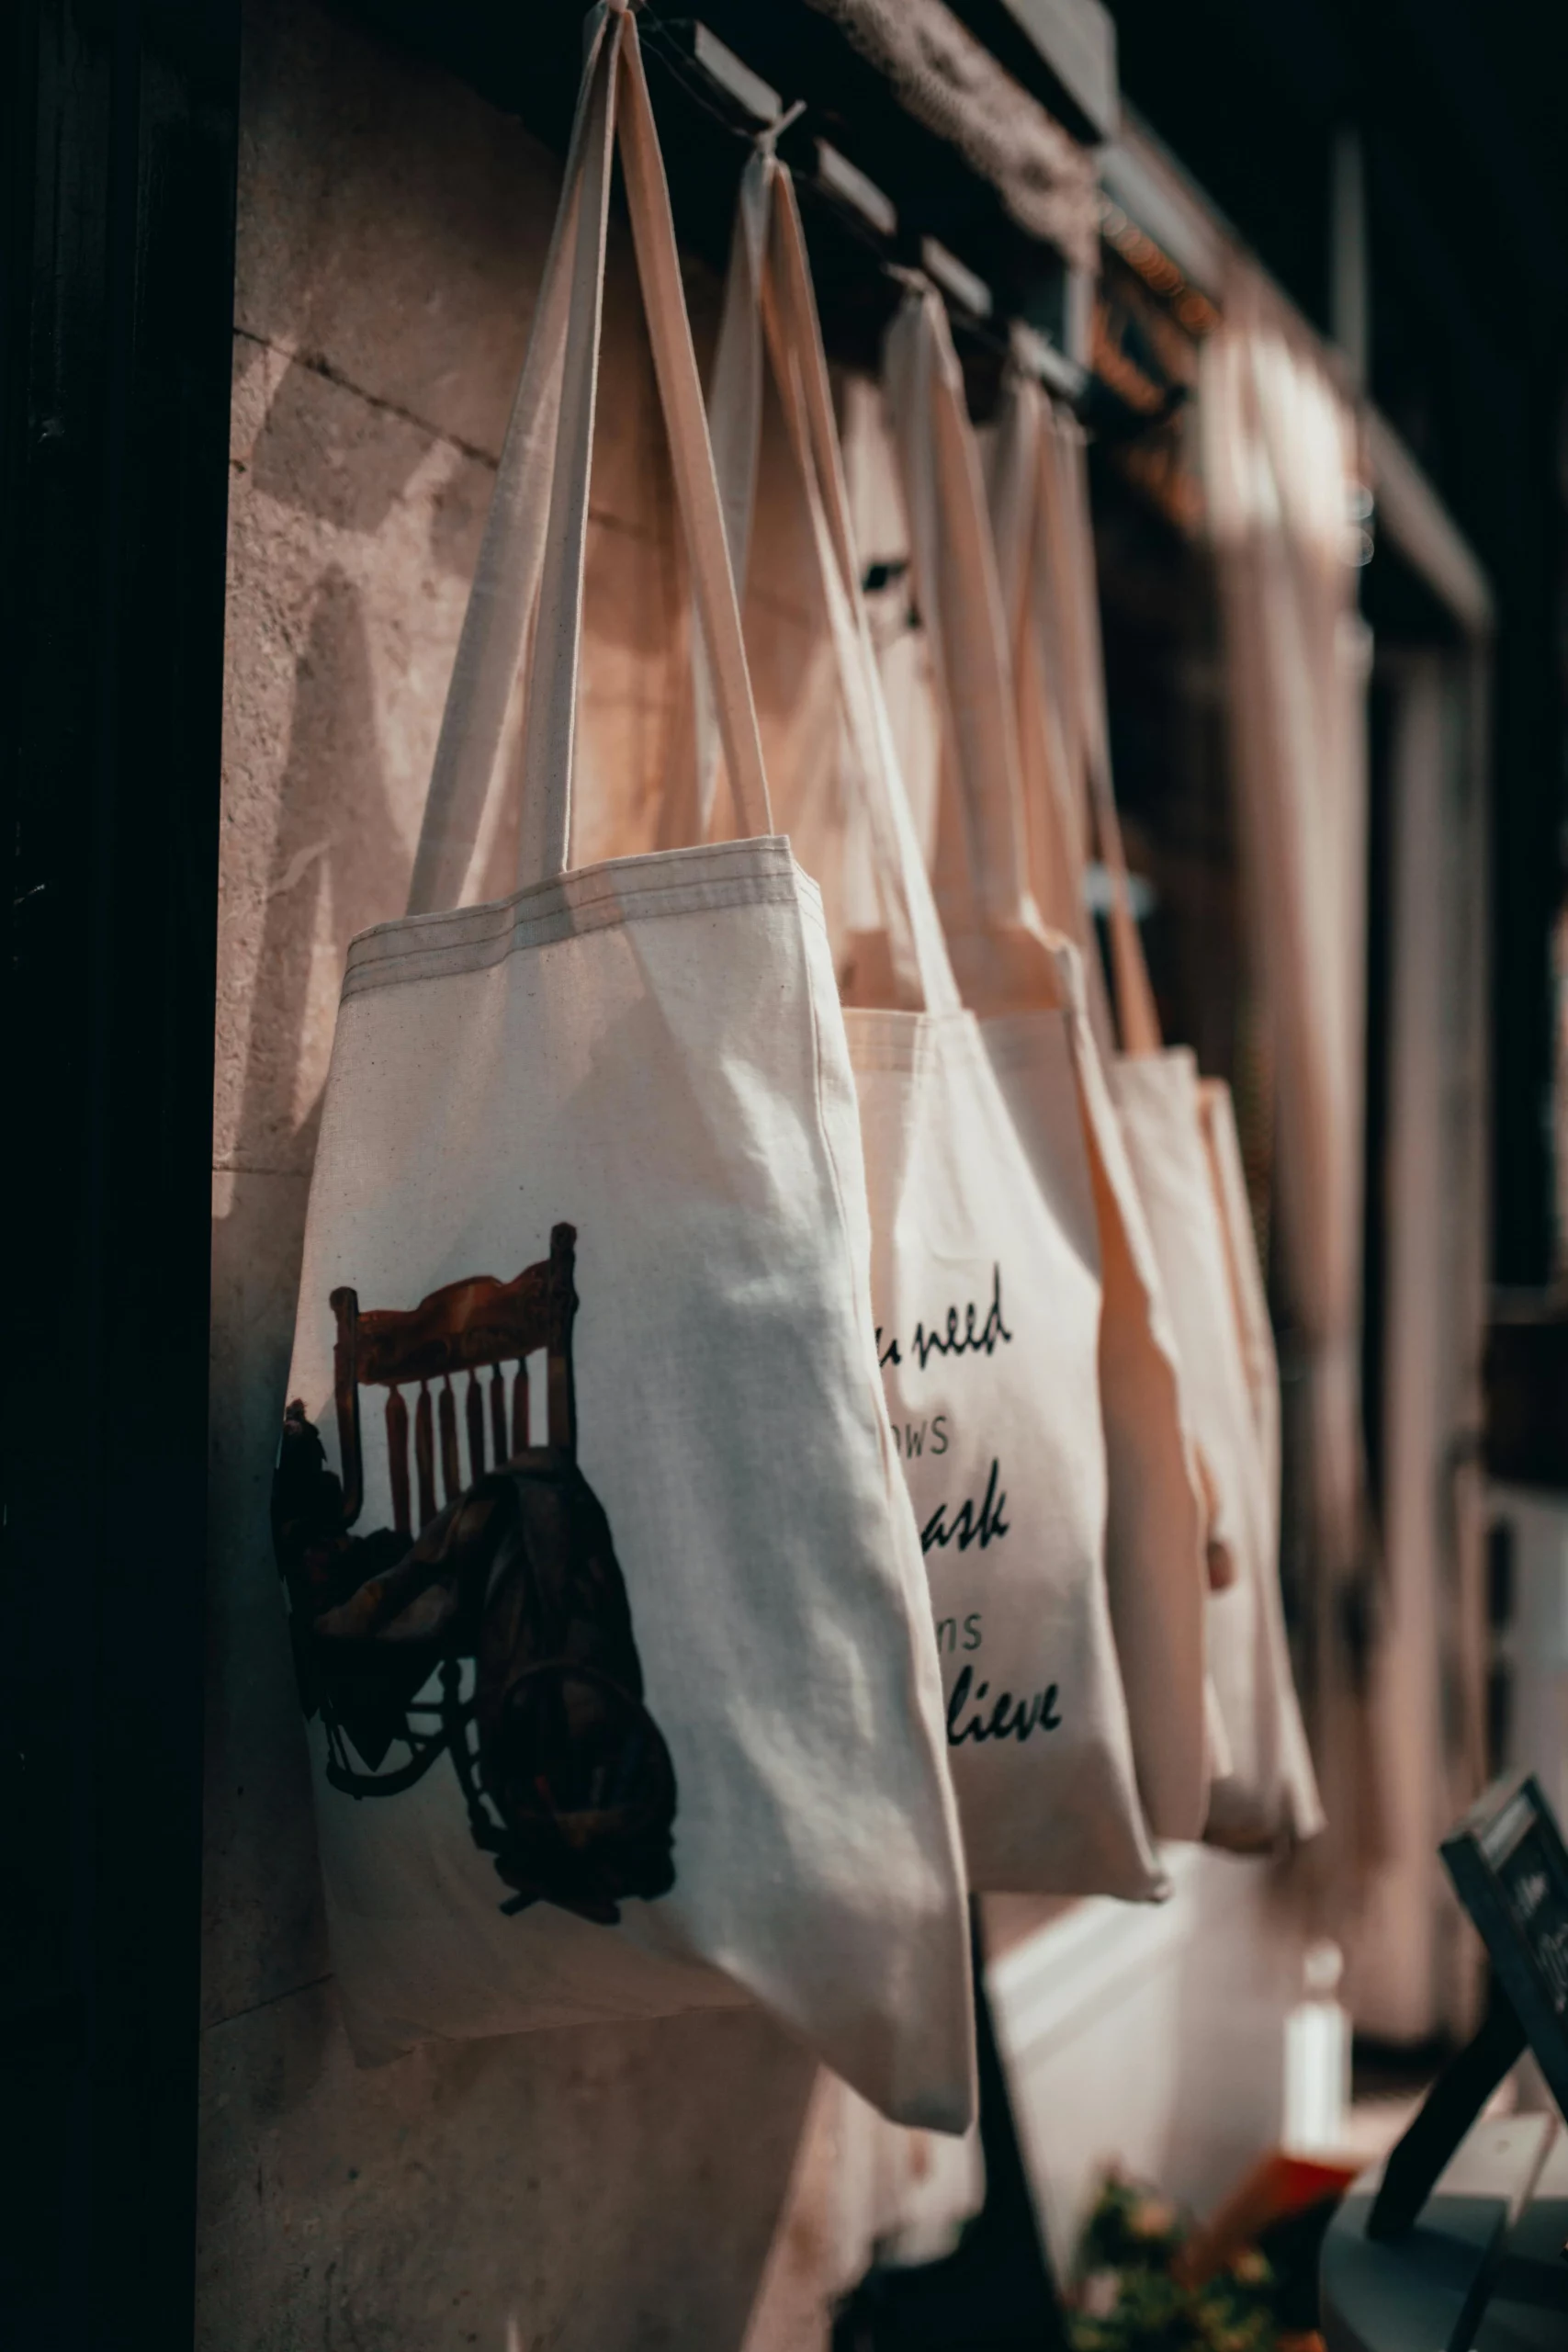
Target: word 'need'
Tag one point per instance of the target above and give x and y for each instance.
(949, 1339)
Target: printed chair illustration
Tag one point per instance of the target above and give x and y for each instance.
(492, 1622)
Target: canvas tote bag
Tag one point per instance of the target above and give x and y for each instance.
(900, 2193)
(987, 1302)
(985, 1294)
(1030, 983)
(1037, 1729)
(1179, 1132)
(610, 1598)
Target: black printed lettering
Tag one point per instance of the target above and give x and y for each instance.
(1038, 1714)
(952, 1334)
(955, 1706)
(965, 1527)
(951, 1342)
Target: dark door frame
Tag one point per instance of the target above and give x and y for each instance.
(117, 138)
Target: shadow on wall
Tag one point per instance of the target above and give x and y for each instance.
(350, 475)
(613, 2188)
(264, 1932)
(326, 852)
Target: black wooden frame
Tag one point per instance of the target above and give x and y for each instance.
(118, 143)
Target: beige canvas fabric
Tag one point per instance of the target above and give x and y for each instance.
(1156, 1525)
(1260, 1364)
(1260, 1371)
(900, 2193)
(647, 1057)
(1178, 1139)
(985, 1293)
(1268, 1791)
(936, 1105)
(1030, 982)
(903, 654)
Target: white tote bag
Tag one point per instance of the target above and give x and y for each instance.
(647, 1710)
(899, 2194)
(1241, 1813)
(997, 1430)
(987, 1301)
(985, 1293)
(1268, 1791)
(1031, 985)
(1179, 1132)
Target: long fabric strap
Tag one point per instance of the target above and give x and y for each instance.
(962, 607)
(735, 429)
(1070, 540)
(1025, 516)
(1055, 811)
(505, 587)
(769, 306)
(922, 973)
(531, 563)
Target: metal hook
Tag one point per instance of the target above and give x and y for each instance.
(768, 138)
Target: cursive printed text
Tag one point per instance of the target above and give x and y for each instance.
(950, 1338)
(964, 1528)
(1038, 1714)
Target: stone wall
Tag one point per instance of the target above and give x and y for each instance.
(624, 2186)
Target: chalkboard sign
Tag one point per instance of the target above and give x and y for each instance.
(1510, 1870)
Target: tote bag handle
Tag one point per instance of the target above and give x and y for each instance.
(1062, 489)
(961, 607)
(735, 430)
(531, 560)
(1056, 821)
(770, 302)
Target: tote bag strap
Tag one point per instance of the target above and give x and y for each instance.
(922, 973)
(505, 586)
(1055, 811)
(1057, 825)
(1070, 538)
(532, 561)
(735, 429)
(770, 317)
(961, 605)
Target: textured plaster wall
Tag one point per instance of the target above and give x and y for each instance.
(644, 2186)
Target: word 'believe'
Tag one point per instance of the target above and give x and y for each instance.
(1038, 1714)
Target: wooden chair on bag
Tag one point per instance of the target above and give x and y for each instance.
(474, 1326)
(537, 1693)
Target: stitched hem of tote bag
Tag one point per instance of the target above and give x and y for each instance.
(1142, 1070)
(883, 1039)
(1012, 1038)
(759, 872)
